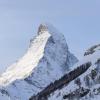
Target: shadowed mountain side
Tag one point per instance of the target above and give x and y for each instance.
(58, 84)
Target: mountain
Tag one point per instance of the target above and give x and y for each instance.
(81, 83)
(46, 60)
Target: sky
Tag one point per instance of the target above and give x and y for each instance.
(78, 20)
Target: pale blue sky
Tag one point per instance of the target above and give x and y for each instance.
(78, 20)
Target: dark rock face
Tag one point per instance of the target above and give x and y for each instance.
(4, 92)
(78, 93)
(58, 84)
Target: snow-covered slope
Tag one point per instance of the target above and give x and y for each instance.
(46, 60)
(85, 86)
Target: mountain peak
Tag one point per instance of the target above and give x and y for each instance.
(47, 59)
(42, 28)
(47, 27)
(47, 30)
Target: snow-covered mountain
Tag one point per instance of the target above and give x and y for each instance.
(46, 60)
(86, 86)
